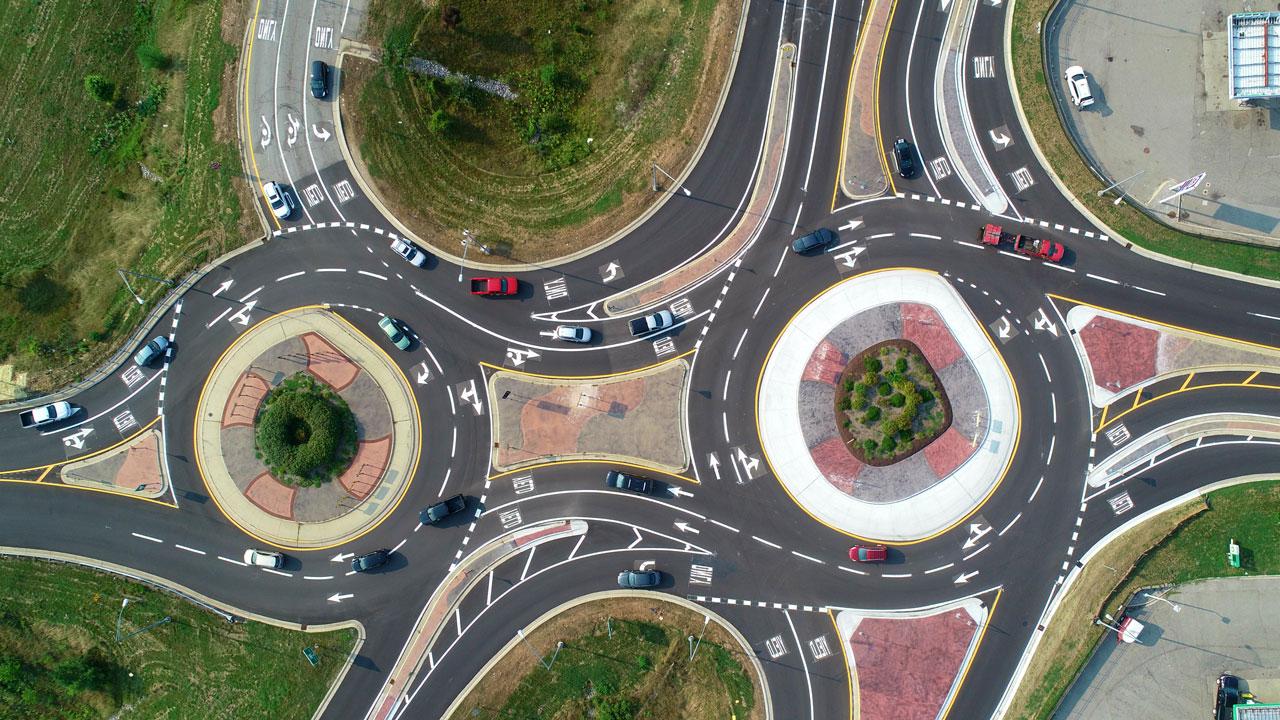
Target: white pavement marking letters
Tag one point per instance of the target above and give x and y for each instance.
(343, 189)
(1118, 435)
(313, 194)
(1121, 503)
(124, 421)
(682, 307)
(984, 66)
(1022, 179)
(323, 38)
(522, 484)
(556, 288)
(776, 647)
(131, 376)
(509, 518)
(819, 647)
(663, 346)
(267, 30)
(700, 574)
(941, 168)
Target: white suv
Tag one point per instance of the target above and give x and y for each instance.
(279, 200)
(263, 558)
(1078, 84)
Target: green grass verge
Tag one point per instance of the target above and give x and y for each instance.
(1188, 543)
(75, 203)
(59, 657)
(605, 87)
(1038, 105)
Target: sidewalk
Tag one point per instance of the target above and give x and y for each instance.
(754, 215)
(334, 352)
(931, 510)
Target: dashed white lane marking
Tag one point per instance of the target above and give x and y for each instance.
(331, 269)
(759, 604)
(372, 275)
(399, 545)
(726, 527)
(190, 549)
(277, 572)
(1011, 522)
(1089, 234)
(1063, 268)
(775, 546)
(761, 303)
(349, 573)
(880, 235)
(1016, 255)
(896, 575)
(290, 276)
(146, 537)
(966, 243)
(1268, 317)
(926, 236)
(233, 562)
(851, 570)
(317, 577)
(975, 552)
(807, 557)
(1153, 292)
(1103, 279)
(940, 568)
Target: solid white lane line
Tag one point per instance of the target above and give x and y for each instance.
(1103, 279)
(190, 549)
(939, 568)
(775, 546)
(804, 664)
(574, 552)
(822, 88)
(290, 276)
(527, 561)
(146, 537)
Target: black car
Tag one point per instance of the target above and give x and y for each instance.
(370, 561)
(319, 79)
(816, 240)
(906, 157)
(1228, 696)
(623, 481)
(443, 509)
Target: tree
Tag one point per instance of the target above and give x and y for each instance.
(450, 16)
(98, 87)
(151, 58)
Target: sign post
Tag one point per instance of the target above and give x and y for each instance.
(1182, 188)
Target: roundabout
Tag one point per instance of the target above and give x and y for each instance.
(922, 495)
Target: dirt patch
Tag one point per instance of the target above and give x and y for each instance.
(890, 403)
(507, 675)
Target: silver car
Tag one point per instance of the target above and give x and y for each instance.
(410, 252)
(573, 333)
(263, 558)
(279, 200)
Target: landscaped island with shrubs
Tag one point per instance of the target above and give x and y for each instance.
(306, 434)
(889, 403)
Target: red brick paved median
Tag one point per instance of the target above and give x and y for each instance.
(906, 666)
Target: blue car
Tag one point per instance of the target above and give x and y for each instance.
(151, 351)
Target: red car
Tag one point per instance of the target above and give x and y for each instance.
(1049, 250)
(868, 553)
(495, 286)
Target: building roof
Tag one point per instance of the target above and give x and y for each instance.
(1253, 54)
(1256, 712)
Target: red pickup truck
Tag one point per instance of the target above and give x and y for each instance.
(1035, 247)
(495, 286)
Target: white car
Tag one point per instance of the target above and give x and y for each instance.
(279, 200)
(409, 252)
(1078, 84)
(573, 333)
(263, 558)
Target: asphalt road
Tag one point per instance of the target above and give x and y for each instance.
(334, 250)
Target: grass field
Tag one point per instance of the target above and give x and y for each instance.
(1184, 544)
(604, 88)
(59, 657)
(91, 91)
(639, 670)
(1140, 229)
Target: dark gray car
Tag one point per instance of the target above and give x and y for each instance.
(817, 240)
(319, 79)
(443, 509)
(635, 579)
(370, 561)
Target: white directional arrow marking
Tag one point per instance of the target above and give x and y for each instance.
(963, 578)
(612, 273)
(714, 462)
(1000, 139)
(469, 395)
(680, 493)
(341, 557)
(1006, 330)
(223, 287)
(852, 224)
(850, 257)
(336, 597)
(76, 439)
(294, 124)
(319, 132)
(976, 531)
(748, 463)
(266, 133)
(1044, 323)
(518, 356)
(686, 527)
(424, 374)
(242, 315)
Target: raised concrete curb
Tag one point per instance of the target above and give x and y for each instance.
(228, 612)
(450, 591)
(747, 650)
(1142, 449)
(860, 146)
(71, 473)
(1062, 188)
(405, 428)
(358, 172)
(928, 512)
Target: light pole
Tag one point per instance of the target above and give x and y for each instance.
(1117, 184)
(122, 273)
(675, 182)
(120, 616)
(468, 239)
(1176, 607)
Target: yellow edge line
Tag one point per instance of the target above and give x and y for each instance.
(200, 464)
(1103, 420)
(1162, 324)
(90, 489)
(584, 461)
(1003, 472)
(844, 655)
(248, 126)
(875, 95)
(1197, 387)
(93, 454)
(620, 373)
(964, 673)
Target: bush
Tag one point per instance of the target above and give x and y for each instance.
(869, 378)
(305, 433)
(872, 415)
(99, 88)
(150, 57)
(895, 378)
(888, 444)
(884, 388)
(905, 435)
(925, 395)
(845, 403)
(897, 399)
(859, 402)
(869, 446)
(859, 389)
(850, 385)
(901, 365)
(439, 123)
(872, 364)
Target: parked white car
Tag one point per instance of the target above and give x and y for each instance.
(573, 333)
(1078, 85)
(263, 558)
(410, 252)
(279, 200)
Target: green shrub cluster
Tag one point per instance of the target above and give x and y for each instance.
(874, 396)
(305, 432)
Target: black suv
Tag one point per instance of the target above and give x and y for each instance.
(623, 481)
(370, 561)
(319, 79)
(443, 509)
(906, 157)
(1228, 696)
